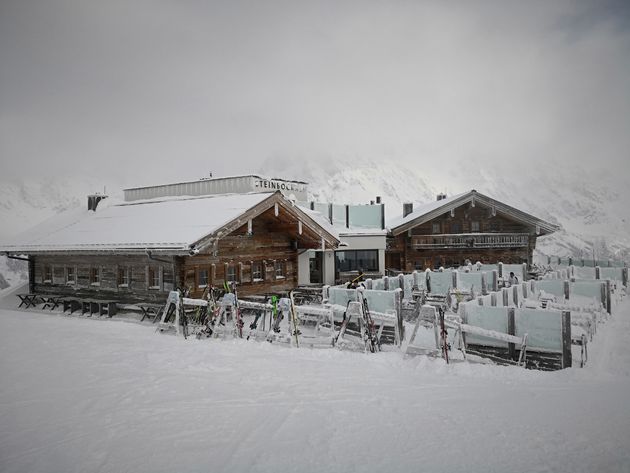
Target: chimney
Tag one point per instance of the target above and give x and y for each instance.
(94, 199)
(407, 208)
(441, 196)
(378, 199)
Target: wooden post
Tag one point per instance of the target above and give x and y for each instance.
(506, 296)
(608, 298)
(511, 331)
(386, 283)
(566, 339)
(570, 261)
(454, 278)
(525, 272)
(495, 282)
(484, 284)
(369, 284)
(624, 276)
(399, 299)
(428, 276)
(480, 300)
(598, 272)
(493, 299)
(401, 282)
(525, 288)
(567, 290)
(500, 269)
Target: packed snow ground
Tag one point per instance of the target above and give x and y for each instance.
(90, 395)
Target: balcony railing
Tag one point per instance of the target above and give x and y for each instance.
(471, 240)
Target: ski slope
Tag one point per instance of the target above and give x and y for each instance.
(84, 395)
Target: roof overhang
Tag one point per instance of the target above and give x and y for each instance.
(473, 197)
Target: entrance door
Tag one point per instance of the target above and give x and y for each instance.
(315, 268)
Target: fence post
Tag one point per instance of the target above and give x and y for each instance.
(495, 283)
(428, 276)
(598, 272)
(454, 277)
(525, 288)
(511, 331)
(401, 282)
(515, 294)
(624, 276)
(386, 283)
(325, 293)
(500, 269)
(608, 298)
(525, 272)
(567, 290)
(570, 261)
(415, 280)
(566, 339)
(506, 296)
(369, 283)
(480, 300)
(493, 299)
(399, 298)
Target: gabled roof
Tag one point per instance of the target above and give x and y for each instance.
(173, 225)
(434, 209)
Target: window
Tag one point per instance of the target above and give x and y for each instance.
(71, 275)
(279, 267)
(494, 226)
(230, 273)
(47, 273)
(153, 277)
(257, 271)
(95, 277)
(203, 278)
(123, 277)
(436, 227)
(355, 260)
(456, 227)
(474, 226)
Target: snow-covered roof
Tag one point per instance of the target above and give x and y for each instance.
(172, 224)
(433, 209)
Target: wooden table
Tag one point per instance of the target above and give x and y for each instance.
(71, 303)
(28, 300)
(151, 310)
(97, 306)
(51, 301)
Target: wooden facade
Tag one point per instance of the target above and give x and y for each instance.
(258, 251)
(472, 227)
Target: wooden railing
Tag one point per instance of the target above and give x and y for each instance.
(471, 240)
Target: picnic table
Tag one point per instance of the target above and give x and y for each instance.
(151, 310)
(51, 301)
(71, 303)
(98, 306)
(28, 300)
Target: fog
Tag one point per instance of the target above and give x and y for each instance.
(162, 90)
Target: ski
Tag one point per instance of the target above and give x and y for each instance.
(294, 319)
(369, 333)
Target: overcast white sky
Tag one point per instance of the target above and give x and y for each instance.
(178, 88)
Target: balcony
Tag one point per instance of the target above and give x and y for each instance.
(470, 240)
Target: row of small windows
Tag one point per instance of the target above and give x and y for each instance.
(250, 272)
(456, 227)
(68, 275)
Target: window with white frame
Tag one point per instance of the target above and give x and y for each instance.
(279, 269)
(47, 273)
(257, 274)
(123, 276)
(436, 227)
(95, 276)
(153, 276)
(203, 277)
(230, 273)
(474, 226)
(71, 275)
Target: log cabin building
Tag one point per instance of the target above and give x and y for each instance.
(138, 251)
(467, 226)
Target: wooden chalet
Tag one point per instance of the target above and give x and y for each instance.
(139, 251)
(468, 226)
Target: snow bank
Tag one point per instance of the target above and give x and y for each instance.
(83, 395)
